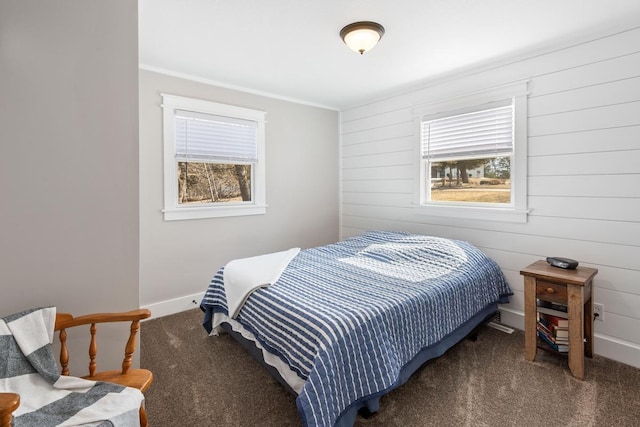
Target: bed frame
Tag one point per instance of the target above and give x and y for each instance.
(370, 405)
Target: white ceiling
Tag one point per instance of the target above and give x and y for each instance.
(291, 48)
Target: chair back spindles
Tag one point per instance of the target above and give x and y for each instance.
(64, 352)
(130, 347)
(93, 351)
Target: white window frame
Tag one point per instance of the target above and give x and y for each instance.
(516, 211)
(172, 210)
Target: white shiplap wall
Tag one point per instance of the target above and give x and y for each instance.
(583, 174)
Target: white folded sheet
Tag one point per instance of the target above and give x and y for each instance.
(245, 275)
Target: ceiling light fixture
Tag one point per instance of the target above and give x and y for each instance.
(362, 36)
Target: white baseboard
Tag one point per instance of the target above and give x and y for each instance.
(617, 349)
(512, 318)
(603, 345)
(175, 305)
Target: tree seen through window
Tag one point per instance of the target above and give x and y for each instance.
(203, 182)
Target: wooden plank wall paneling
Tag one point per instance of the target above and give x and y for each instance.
(583, 173)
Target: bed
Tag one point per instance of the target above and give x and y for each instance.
(345, 323)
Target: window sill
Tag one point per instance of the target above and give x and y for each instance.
(474, 213)
(177, 214)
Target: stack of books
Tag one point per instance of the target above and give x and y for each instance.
(553, 326)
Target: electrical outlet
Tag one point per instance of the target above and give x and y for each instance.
(598, 312)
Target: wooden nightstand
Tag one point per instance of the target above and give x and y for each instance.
(573, 288)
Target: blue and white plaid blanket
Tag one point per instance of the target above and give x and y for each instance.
(47, 399)
(348, 317)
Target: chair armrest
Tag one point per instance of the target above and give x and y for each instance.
(9, 402)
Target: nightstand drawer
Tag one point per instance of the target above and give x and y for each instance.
(553, 292)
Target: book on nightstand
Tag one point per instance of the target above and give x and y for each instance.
(554, 331)
(553, 322)
(552, 308)
(559, 346)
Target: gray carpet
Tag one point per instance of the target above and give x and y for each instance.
(213, 381)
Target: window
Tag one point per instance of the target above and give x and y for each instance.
(468, 156)
(473, 158)
(213, 159)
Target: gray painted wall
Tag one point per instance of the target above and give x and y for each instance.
(179, 258)
(69, 156)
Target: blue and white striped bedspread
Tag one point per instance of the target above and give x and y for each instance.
(348, 316)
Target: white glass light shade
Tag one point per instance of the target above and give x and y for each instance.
(362, 36)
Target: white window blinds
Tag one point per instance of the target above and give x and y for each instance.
(213, 138)
(476, 134)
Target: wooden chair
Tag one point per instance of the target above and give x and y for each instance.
(136, 378)
(9, 402)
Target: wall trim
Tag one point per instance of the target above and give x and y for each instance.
(603, 345)
(175, 305)
(209, 82)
